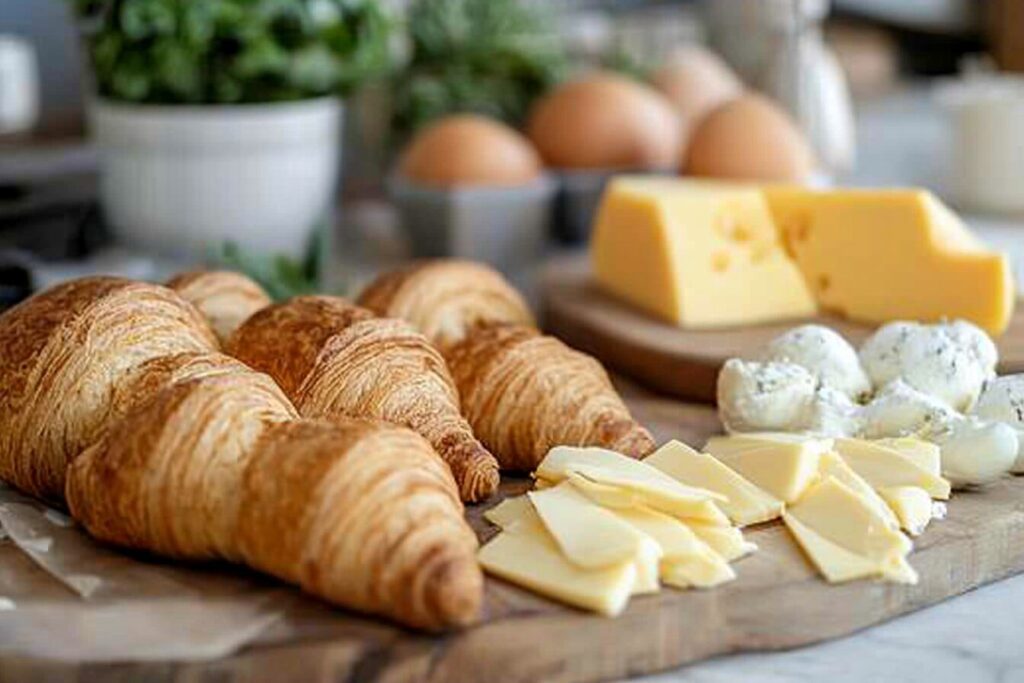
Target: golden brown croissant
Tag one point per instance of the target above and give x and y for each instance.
(333, 358)
(67, 358)
(445, 298)
(525, 393)
(361, 513)
(226, 298)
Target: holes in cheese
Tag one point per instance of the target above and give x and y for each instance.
(884, 467)
(745, 503)
(892, 254)
(685, 251)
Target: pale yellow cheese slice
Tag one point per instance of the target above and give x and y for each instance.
(834, 466)
(783, 470)
(745, 503)
(606, 495)
(727, 541)
(695, 253)
(836, 563)
(511, 510)
(927, 455)
(530, 558)
(589, 535)
(884, 467)
(733, 443)
(898, 254)
(911, 504)
(687, 561)
(841, 516)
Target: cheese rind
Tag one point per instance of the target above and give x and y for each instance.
(880, 255)
(695, 253)
(745, 503)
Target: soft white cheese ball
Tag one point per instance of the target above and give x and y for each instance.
(928, 359)
(832, 413)
(975, 452)
(1002, 400)
(976, 342)
(754, 396)
(901, 410)
(825, 354)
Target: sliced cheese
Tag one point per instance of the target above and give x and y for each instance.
(911, 504)
(745, 503)
(841, 516)
(881, 255)
(509, 511)
(884, 467)
(589, 535)
(836, 563)
(783, 469)
(695, 253)
(606, 495)
(834, 466)
(732, 443)
(927, 455)
(530, 558)
(687, 561)
(727, 541)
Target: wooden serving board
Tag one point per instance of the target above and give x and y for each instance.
(777, 602)
(672, 360)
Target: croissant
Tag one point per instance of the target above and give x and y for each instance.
(360, 513)
(522, 392)
(333, 358)
(525, 393)
(444, 299)
(66, 366)
(226, 298)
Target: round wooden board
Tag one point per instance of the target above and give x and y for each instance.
(672, 360)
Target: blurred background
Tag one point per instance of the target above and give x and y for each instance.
(311, 143)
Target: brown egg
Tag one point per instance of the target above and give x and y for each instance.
(696, 81)
(604, 121)
(469, 150)
(749, 138)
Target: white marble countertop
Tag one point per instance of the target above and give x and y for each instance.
(977, 638)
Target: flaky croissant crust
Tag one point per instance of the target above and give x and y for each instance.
(66, 353)
(446, 298)
(225, 297)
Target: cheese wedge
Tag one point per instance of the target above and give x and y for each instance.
(733, 443)
(745, 503)
(531, 558)
(881, 255)
(727, 541)
(884, 467)
(783, 470)
(837, 514)
(834, 466)
(589, 535)
(687, 561)
(927, 455)
(911, 504)
(651, 486)
(695, 253)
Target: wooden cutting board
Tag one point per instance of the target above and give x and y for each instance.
(672, 360)
(777, 602)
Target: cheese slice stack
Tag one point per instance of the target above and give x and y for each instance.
(706, 254)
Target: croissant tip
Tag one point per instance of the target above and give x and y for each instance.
(481, 483)
(459, 585)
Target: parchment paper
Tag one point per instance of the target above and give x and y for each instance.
(65, 597)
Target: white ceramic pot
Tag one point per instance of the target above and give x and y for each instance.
(179, 179)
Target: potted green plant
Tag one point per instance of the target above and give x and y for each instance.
(219, 120)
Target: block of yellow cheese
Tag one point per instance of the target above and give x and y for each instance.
(844, 535)
(900, 254)
(695, 253)
(745, 503)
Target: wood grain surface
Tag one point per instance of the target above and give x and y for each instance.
(777, 602)
(669, 359)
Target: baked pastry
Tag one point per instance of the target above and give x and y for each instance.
(445, 298)
(522, 392)
(525, 393)
(361, 513)
(68, 357)
(334, 358)
(226, 298)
